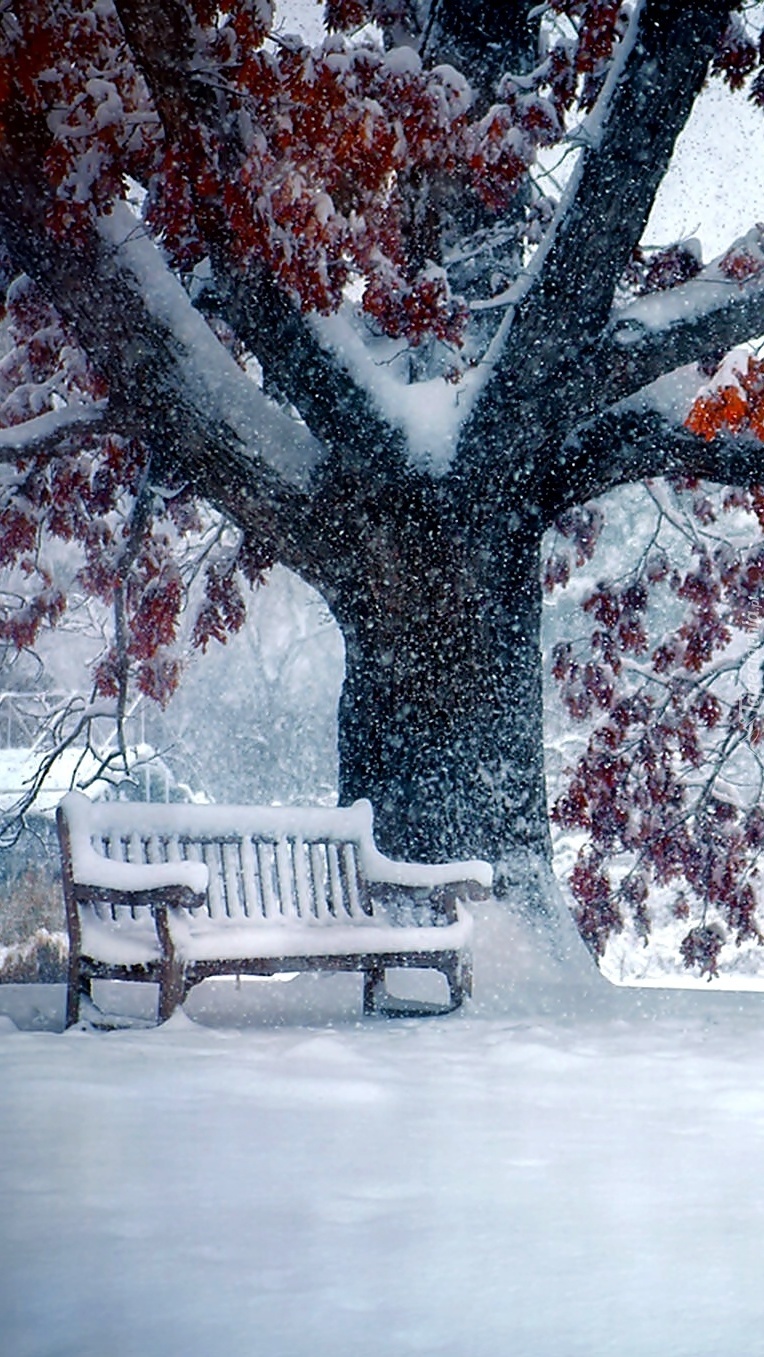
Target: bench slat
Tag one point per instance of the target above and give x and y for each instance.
(188, 851)
(359, 903)
(265, 862)
(171, 848)
(336, 903)
(232, 879)
(252, 898)
(317, 859)
(215, 895)
(305, 899)
(284, 878)
(116, 847)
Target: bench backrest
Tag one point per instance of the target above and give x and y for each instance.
(287, 877)
(248, 862)
(269, 863)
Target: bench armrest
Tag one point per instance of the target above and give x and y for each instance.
(444, 901)
(155, 898)
(88, 870)
(472, 877)
(104, 876)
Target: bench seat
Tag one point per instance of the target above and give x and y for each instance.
(177, 894)
(132, 942)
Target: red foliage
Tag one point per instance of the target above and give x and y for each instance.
(737, 56)
(732, 408)
(740, 264)
(316, 185)
(107, 674)
(415, 312)
(154, 622)
(598, 25)
(663, 727)
(159, 676)
(670, 267)
(598, 915)
(20, 625)
(580, 527)
(223, 612)
(701, 948)
(345, 15)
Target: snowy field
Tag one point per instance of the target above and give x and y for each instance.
(564, 1168)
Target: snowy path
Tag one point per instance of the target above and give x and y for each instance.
(563, 1169)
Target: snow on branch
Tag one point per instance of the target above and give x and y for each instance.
(264, 317)
(721, 307)
(217, 384)
(44, 433)
(176, 389)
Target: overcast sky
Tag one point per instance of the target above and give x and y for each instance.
(715, 187)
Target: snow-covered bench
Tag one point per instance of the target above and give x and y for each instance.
(176, 894)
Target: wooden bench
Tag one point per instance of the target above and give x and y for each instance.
(175, 894)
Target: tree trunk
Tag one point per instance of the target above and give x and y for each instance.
(441, 719)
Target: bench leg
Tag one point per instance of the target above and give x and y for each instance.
(172, 990)
(373, 981)
(78, 987)
(459, 976)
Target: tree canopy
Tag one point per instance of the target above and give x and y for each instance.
(378, 306)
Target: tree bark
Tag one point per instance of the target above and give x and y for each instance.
(441, 715)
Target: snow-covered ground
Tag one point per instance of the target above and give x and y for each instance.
(563, 1168)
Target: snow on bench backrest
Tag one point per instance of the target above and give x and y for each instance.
(262, 862)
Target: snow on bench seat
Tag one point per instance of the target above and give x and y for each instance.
(178, 893)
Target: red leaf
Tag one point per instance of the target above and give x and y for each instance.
(701, 948)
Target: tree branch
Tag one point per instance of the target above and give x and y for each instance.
(547, 375)
(148, 370)
(630, 143)
(657, 334)
(629, 445)
(338, 412)
(335, 409)
(52, 433)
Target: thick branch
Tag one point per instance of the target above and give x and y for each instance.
(628, 445)
(548, 374)
(52, 433)
(622, 169)
(147, 369)
(337, 411)
(658, 334)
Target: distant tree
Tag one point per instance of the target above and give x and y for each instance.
(274, 714)
(451, 362)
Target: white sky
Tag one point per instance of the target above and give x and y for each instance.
(715, 187)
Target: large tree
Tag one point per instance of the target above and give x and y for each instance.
(323, 291)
